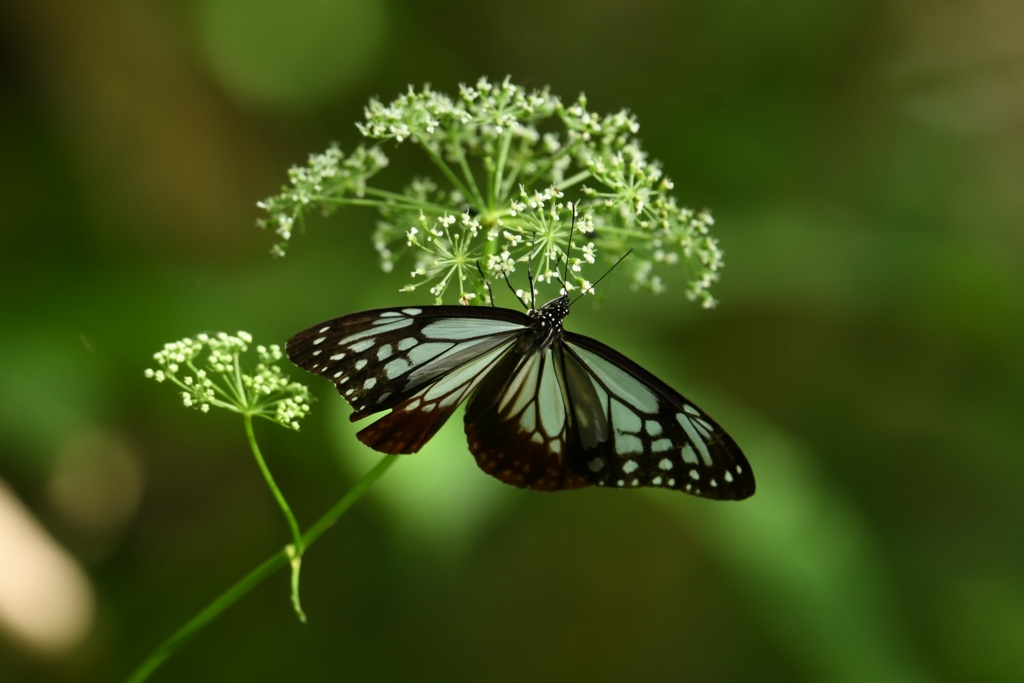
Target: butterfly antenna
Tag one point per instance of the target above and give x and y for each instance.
(514, 293)
(606, 273)
(508, 284)
(529, 274)
(568, 248)
(487, 283)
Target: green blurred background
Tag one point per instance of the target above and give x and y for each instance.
(864, 162)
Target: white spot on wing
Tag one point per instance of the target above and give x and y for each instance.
(359, 347)
(396, 367)
(661, 445)
(529, 421)
(628, 443)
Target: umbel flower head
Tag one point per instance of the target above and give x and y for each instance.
(506, 159)
(208, 370)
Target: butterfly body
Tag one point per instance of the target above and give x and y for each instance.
(546, 409)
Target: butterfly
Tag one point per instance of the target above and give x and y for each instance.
(546, 409)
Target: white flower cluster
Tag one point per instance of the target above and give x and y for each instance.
(508, 157)
(216, 379)
(328, 180)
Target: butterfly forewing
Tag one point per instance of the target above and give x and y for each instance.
(419, 361)
(644, 433)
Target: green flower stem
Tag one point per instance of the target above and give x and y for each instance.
(341, 507)
(467, 173)
(375, 198)
(497, 184)
(382, 198)
(294, 551)
(257, 575)
(573, 180)
(449, 173)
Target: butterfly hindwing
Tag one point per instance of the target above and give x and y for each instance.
(517, 425)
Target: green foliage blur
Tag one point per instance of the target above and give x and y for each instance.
(864, 163)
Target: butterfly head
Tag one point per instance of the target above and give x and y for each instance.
(553, 312)
(547, 321)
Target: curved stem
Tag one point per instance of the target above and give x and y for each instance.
(282, 503)
(331, 517)
(297, 548)
(257, 575)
